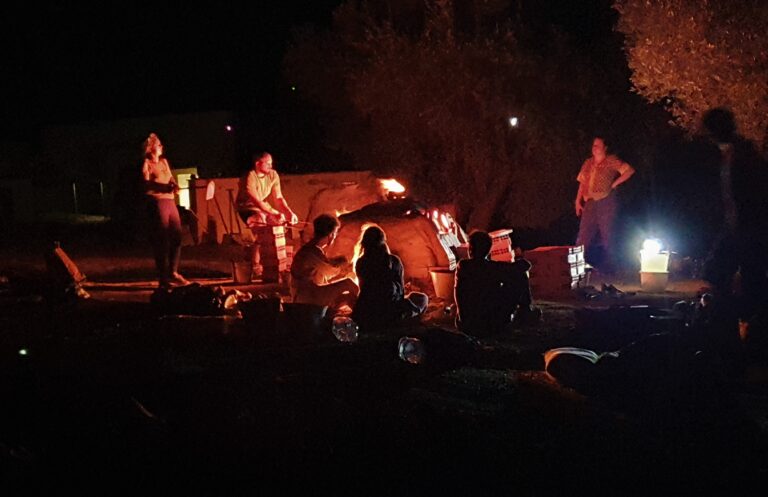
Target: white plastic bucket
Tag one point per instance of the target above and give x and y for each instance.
(653, 282)
(443, 279)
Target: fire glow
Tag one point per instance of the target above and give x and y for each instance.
(443, 221)
(392, 188)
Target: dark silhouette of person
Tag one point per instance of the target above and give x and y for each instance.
(489, 294)
(382, 301)
(742, 243)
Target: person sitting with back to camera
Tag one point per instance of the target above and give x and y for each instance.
(316, 279)
(382, 301)
(491, 296)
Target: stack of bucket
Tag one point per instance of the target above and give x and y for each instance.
(556, 270)
(501, 246)
(273, 254)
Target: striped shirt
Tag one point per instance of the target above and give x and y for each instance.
(598, 178)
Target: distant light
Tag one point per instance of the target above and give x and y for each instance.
(513, 121)
(23, 352)
(293, 88)
(228, 127)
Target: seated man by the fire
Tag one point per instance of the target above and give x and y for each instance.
(491, 296)
(382, 301)
(316, 279)
(254, 190)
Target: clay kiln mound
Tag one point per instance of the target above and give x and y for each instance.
(342, 198)
(410, 235)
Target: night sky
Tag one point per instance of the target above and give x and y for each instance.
(65, 63)
(70, 63)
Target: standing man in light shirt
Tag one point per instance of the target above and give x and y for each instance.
(596, 201)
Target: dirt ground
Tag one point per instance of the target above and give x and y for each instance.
(109, 394)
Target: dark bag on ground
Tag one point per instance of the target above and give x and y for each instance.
(193, 299)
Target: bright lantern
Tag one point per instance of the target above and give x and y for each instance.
(652, 260)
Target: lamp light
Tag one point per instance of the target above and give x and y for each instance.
(654, 265)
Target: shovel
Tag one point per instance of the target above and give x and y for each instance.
(210, 194)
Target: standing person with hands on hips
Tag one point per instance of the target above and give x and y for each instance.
(596, 201)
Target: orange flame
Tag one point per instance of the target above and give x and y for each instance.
(391, 186)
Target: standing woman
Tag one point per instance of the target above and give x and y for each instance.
(165, 223)
(382, 301)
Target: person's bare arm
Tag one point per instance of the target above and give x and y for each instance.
(328, 271)
(579, 202)
(282, 204)
(626, 171)
(152, 186)
(260, 204)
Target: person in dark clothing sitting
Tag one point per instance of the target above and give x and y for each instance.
(491, 296)
(382, 301)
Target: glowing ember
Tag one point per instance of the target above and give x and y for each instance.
(344, 309)
(445, 220)
(391, 186)
(434, 216)
(338, 213)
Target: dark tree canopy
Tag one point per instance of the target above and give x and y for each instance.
(426, 93)
(695, 56)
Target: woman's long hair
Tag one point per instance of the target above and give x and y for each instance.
(373, 244)
(149, 144)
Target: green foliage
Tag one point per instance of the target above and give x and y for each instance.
(428, 101)
(693, 56)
